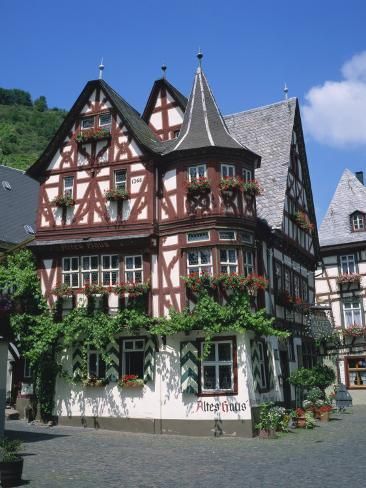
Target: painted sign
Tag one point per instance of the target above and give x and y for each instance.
(224, 406)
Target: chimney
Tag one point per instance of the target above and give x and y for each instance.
(359, 176)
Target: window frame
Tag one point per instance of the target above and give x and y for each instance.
(71, 271)
(68, 191)
(199, 265)
(347, 263)
(360, 217)
(27, 369)
(133, 339)
(246, 266)
(89, 270)
(89, 117)
(221, 232)
(99, 364)
(103, 115)
(263, 365)
(133, 270)
(207, 238)
(229, 168)
(247, 175)
(196, 167)
(227, 263)
(109, 270)
(122, 185)
(359, 370)
(234, 374)
(352, 300)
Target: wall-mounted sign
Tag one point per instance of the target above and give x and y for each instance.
(224, 406)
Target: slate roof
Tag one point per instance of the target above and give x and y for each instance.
(267, 131)
(203, 125)
(349, 196)
(18, 206)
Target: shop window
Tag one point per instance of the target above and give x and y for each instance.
(133, 357)
(355, 368)
(217, 369)
(199, 261)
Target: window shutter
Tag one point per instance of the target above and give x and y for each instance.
(269, 354)
(113, 365)
(189, 367)
(256, 372)
(76, 362)
(149, 360)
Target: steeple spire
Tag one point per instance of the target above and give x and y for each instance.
(203, 124)
(101, 68)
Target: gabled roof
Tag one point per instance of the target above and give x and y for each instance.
(267, 131)
(157, 86)
(203, 125)
(130, 117)
(18, 205)
(350, 196)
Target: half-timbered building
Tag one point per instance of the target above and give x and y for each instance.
(340, 281)
(115, 206)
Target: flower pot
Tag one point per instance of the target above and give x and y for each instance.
(267, 434)
(11, 472)
(324, 416)
(300, 422)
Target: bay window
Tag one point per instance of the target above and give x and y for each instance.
(228, 261)
(198, 171)
(248, 258)
(227, 170)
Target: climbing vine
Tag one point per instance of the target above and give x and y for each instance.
(42, 334)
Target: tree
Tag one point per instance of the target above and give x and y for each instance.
(40, 104)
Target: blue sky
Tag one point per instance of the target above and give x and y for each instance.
(250, 50)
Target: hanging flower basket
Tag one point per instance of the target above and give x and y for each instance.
(62, 290)
(348, 278)
(230, 184)
(130, 381)
(63, 201)
(93, 135)
(302, 220)
(198, 185)
(115, 195)
(133, 289)
(252, 188)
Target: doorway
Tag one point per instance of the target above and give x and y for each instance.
(285, 374)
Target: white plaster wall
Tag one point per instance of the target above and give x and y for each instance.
(170, 180)
(161, 399)
(156, 120)
(47, 265)
(175, 116)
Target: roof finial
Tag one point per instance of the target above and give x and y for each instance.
(199, 57)
(163, 69)
(285, 91)
(101, 68)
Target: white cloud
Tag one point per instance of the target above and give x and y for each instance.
(335, 112)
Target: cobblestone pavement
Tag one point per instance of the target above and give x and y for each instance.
(332, 455)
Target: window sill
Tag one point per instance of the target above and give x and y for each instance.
(217, 393)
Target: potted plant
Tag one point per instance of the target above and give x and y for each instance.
(355, 330)
(95, 382)
(11, 463)
(198, 185)
(62, 290)
(272, 419)
(229, 184)
(130, 381)
(252, 188)
(345, 278)
(302, 220)
(300, 418)
(63, 201)
(325, 411)
(133, 289)
(116, 195)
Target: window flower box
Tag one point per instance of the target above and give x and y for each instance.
(133, 289)
(355, 330)
(348, 278)
(229, 184)
(94, 289)
(233, 281)
(95, 382)
(63, 201)
(302, 220)
(93, 135)
(198, 185)
(252, 188)
(131, 381)
(62, 290)
(115, 195)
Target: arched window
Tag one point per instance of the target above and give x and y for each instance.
(358, 222)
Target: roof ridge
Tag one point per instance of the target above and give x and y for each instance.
(261, 107)
(10, 167)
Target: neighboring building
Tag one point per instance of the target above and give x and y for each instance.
(160, 233)
(340, 283)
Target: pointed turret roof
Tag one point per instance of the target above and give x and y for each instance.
(203, 124)
(349, 197)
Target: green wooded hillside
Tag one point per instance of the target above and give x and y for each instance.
(26, 127)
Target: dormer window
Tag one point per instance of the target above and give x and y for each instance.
(87, 123)
(358, 222)
(105, 120)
